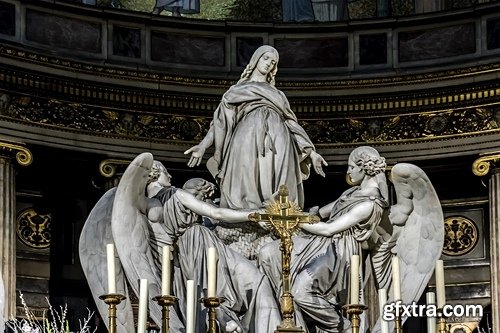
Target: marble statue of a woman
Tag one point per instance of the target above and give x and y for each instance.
(141, 225)
(362, 220)
(258, 143)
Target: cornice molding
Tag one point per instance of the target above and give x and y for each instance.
(317, 84)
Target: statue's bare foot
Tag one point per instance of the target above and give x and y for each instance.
(232, 326)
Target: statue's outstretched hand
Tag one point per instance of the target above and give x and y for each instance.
(232, 326)
(197, 153)
(318, 161)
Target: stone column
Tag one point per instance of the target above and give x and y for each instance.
(490, 164)
(8, 219)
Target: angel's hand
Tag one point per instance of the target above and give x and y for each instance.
(314, 211)
(197, 153)
(232, 326)
(210, 223)
(265, 225)
(318, 161)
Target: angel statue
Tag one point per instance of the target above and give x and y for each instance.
(143, 214)
(362, 222)
(277, 150)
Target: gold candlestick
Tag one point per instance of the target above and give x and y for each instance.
(212, 303)
(398, 325)
(441, 325)
(112, 300)
(354, 311)
(165, 302)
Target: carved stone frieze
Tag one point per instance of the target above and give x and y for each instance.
(403, 127)
(161, 126)
(99, 121)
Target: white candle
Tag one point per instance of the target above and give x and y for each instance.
(431, 321)
(396, 282)
(440, 289)
(382, 301)
(190, 307)
(165, 271)
(212, 272)
(143, 306)
(354, 282)
(110, 255)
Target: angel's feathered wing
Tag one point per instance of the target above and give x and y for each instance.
(96, 233)
(417, 235)
(132, 233)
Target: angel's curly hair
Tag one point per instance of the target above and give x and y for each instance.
(369, 160)
(199, 187)
(247, 72)
(156, 169)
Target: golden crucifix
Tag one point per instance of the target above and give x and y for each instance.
(284, 217)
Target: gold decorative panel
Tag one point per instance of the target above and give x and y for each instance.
(461, 235)
(33, 229)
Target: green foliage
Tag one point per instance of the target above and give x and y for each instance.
(138, 5)
(214, 9)
(238, 10)
(256, 10)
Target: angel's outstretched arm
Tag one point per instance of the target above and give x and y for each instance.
(358, 214)
(205, 209)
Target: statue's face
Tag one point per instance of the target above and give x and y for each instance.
(355, 173)
(165, 178)
(266, 63)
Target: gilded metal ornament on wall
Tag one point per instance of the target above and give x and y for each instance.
(461, 235)
(33, 229)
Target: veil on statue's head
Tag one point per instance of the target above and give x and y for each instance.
(255, 59)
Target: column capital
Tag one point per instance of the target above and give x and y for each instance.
(481, 166)
(23, 155)
(107, 167)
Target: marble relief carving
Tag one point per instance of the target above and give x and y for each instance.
(63, 32)
(437, 43)
(328, 130)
